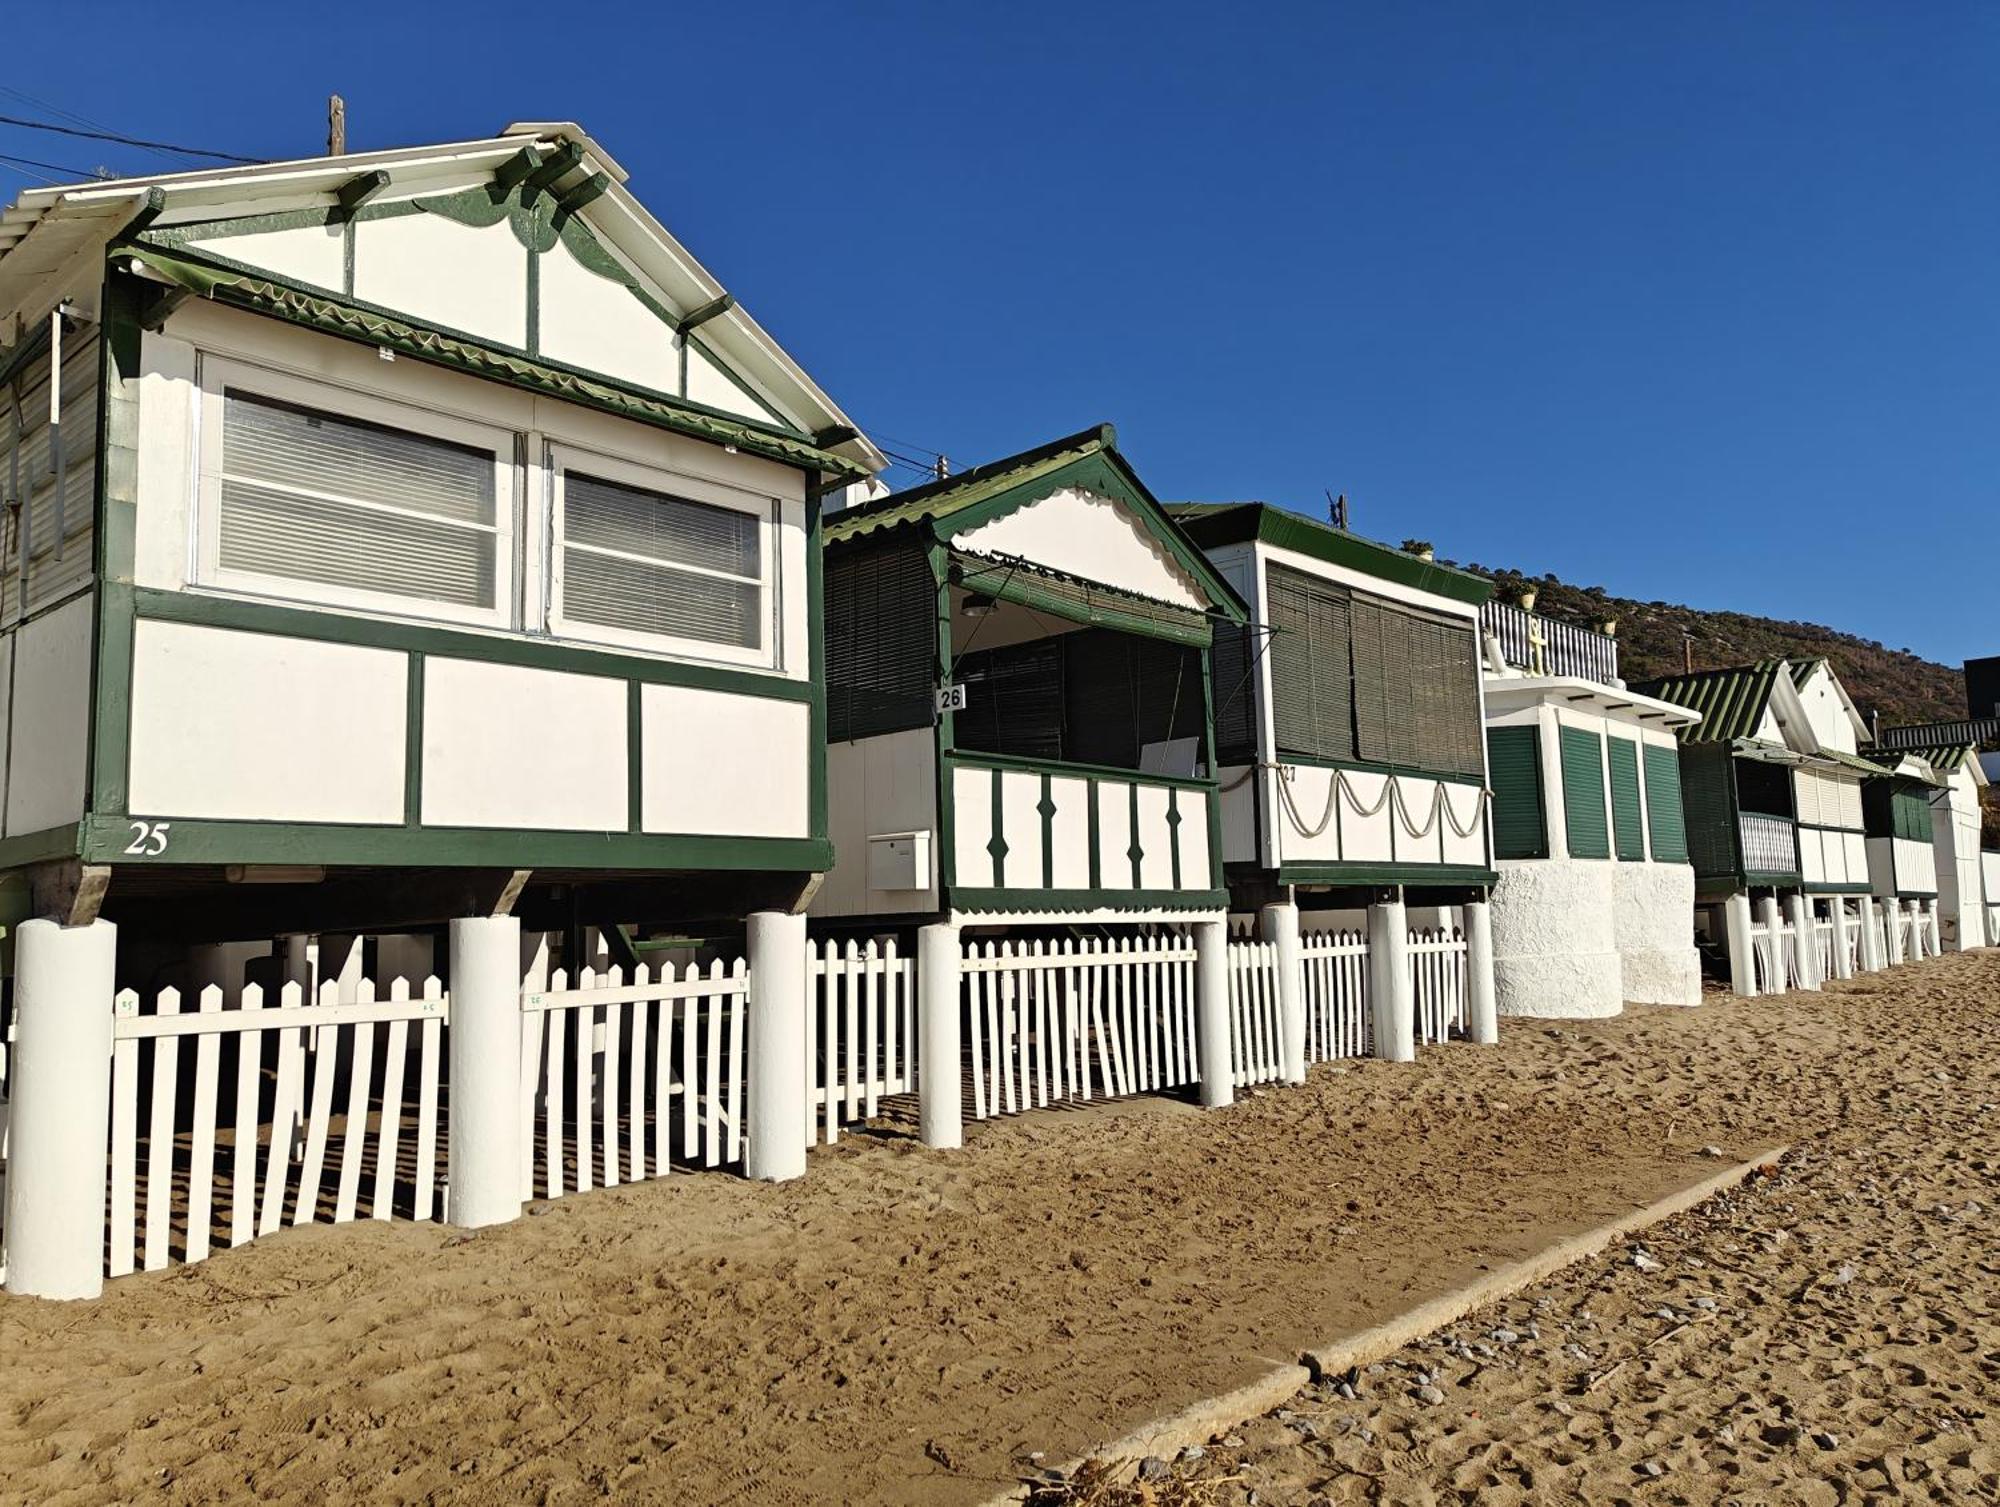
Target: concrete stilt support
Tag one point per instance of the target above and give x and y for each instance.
(294, 952)
(340, 960)
(1805, 940)
(1392, 996)
(1871, 937)
(215, 965)
(1279, 924)
(775, 1077)
(1481, 1002)
(940, 1095)
(1892, 931)
(1211, 1014)
(1936, 929)
(485, 1143)
(403, 956)
(1774, 930)
(1736, 937)
(1843, 932)
(1919, 937)
(61, 1103)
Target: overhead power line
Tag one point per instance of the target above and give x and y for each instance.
(49, 107)
(130, 141)
(53, 167)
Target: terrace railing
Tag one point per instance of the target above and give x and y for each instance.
(1770, 844)
(1542, 645)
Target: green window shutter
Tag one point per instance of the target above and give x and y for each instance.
(1666, 823)
(1520, 819)
(1312, 681)
(1912, 816)
(1625, 817)
(1583, 794)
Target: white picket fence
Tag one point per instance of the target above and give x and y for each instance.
(1775, 962)
(1071, 1019)
(1823, 945)
(1256, 1050)
(861, 1042)
(238, 1146)
(1338, 1023)
(621, 1080)
(1437, 969)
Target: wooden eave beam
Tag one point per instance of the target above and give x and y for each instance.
(358, 190)
(583, 193)
(560, 161)
(694, 319)
(516, 169)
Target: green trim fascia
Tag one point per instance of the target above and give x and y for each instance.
(105, 839)
(1079, 900)
(1101, 607)
(1215, 524)
(259, 292)
(1377, 873)
(943, 725)
(453, 643)
(38, 847)
(1088, 462)
(1766, 878)
(1817, 827)
(1839, 889)
(116, 528)
(816, 777)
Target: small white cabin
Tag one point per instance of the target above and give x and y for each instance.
(452, 533)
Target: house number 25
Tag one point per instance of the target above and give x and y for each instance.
(149, 839)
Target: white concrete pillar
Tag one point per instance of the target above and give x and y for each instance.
(1936, 928)
(1871, 937)
(1736, 938)
(1919, 940)
(294, 952)
(485, 1131)
(1843, 930)
(940, 1054)
(1481, 1001)
(1774, 929)
(61, 1104)
(1211, 1014)
(1279, 925)
(1892, 932)
(1392, 995)
(775, 1076)
(213, 965)
(1805, 940)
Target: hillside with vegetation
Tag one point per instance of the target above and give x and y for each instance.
(1653, 636)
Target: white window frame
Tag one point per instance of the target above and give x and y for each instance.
(766, 654)
(218, 376)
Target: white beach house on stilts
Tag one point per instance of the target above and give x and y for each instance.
(1772, 788)
(1966, 893)
(392, 540)
(1022, 766)
(1353, 771)
(1595, 901)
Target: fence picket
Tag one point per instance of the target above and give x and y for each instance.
(355, 1135)
(160, 1138)
(285, 1103)
(389, 1129)
(124, 1232)
(428, 1079)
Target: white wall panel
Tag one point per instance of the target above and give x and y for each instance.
(314, 254)
(597, 324)
(1156, 864)
(712, 762)
(1021, 826)
(972, 826)
(1069, 833)
(1193, 809)
(1091, 537)
(444, 273)
(506, 746)
(1114, 835)
(257, 727)
(49, 721)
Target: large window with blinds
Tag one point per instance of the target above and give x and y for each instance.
(638, 564)
(1360, 677)
(361, 504)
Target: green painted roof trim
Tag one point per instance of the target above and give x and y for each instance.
(1088, 462)
(351, 321)
(1216, 523)
(1944, 758)
(1084, 602)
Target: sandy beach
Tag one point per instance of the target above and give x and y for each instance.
(906, 1326)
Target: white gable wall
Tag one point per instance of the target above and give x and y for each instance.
(1092, 538)
(1827, 713)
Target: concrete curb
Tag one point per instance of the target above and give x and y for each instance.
(1201, 1421)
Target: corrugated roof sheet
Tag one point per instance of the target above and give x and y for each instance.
(940, 499)
(1731, 702)
(1945, 758)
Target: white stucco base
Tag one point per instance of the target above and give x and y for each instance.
(1653, 906)
(1555, 952)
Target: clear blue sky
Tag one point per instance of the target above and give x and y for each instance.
(1693, 302)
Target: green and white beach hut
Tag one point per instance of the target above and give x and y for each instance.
(395, 536)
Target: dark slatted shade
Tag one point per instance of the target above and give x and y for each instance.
(1666, 823)
(1358, 677)
(1235, 661)
(881, 640)
(1514, 765)
(1583, 794)
(1627, 828)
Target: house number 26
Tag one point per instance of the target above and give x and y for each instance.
(149, 839)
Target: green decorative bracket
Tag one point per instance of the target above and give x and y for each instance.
(583, 193)
(560, 161)
(516, 169)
